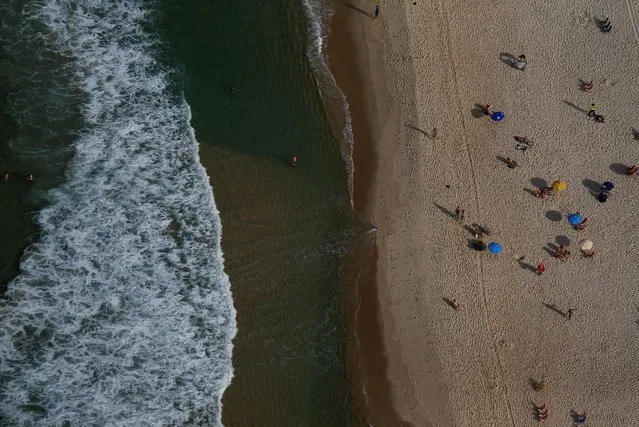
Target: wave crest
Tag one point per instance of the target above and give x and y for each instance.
(122, 313)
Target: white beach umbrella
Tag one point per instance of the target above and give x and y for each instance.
(586, 245)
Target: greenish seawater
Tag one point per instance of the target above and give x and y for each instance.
(289, 238)
(291, 242)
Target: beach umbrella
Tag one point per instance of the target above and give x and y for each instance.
(575, 218)
(586, 245)
(559, 185)
(607, 187)
(494, 248)
(497, 116)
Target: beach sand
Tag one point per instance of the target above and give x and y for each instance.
(428, 65)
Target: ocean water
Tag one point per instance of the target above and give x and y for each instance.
(291, 241)
(122, 312)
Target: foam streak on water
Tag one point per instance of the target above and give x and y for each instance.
(122, 314)
(319, 14)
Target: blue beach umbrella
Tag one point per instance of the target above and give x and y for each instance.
(494, 248)
(575, 218)
(497, 116)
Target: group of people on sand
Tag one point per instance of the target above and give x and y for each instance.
(541, 414)
(543, 193)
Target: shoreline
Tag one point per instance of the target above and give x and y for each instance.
(349, 49)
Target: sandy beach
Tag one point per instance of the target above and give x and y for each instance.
(423, 65)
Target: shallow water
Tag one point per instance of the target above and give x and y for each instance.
(290, 238)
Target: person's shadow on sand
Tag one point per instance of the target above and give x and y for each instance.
(618, 168)
(555, 309)
(527, 265)
(507, 59)
(550, 248)
(575, 107)
(594, 188)
(478, 112)
(446, 211)
(452, 304)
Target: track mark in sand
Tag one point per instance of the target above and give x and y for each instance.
(460, 108)
(633, 18)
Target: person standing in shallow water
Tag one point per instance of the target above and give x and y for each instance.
(293, 160)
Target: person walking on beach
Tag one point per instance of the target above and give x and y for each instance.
(455, 304)
(458, 213)
(376, 11)
(591, 111)
(570, 310)
(541, 267)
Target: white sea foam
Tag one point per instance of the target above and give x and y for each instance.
(122, 313)
(319, 14)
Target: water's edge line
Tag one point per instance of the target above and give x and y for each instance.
(365, 295)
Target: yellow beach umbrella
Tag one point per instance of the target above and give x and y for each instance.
(559, 185)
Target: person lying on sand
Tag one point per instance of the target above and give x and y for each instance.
(580, 418)
(543, 193)
(587, 87)
(512, 164)
(542, 412)
(581, 225)
(520, 63)
(488, 109)
(562, 253)
(477, 230)
(631, 170)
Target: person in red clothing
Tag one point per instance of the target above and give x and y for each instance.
(488, 109)
(587, 87)
(582, 224)
(541, 268)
